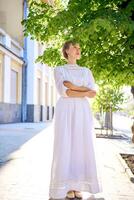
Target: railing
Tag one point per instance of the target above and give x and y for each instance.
(10, 44)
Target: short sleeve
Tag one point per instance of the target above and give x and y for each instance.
(90, 80)
(59, 79)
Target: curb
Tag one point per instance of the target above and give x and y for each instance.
(111, 136)
(126, 168)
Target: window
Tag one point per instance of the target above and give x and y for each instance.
(46, 93)
(14, 88)
(16, 82)
(52, 95)
(38, 91)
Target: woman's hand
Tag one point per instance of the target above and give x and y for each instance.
(69, 85)
(91, 93)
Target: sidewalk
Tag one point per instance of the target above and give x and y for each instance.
(25, 163)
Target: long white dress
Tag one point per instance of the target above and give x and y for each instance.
(74, 158)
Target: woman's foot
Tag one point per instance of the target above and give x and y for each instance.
(70, 194)
(78, 194)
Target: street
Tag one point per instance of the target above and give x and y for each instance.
(25, 163)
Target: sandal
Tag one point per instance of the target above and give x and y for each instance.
(70, 195)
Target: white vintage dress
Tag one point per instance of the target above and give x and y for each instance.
(74, 161)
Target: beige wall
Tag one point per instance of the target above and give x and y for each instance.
(11, 15)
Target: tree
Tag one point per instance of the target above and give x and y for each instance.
(109, 99)
(104, 29)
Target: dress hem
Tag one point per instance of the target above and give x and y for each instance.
(57, 192)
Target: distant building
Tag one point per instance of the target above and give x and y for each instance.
(27, 89)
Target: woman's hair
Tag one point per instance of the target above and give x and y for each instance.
(66, 46)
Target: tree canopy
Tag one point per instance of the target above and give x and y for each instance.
(103, 28)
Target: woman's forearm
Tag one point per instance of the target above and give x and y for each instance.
(71, 86)
(73, 93)
(81, 88)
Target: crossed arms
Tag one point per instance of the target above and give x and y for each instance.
(78, 91)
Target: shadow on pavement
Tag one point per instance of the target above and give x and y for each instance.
(13, 136)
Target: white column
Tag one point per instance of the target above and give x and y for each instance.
(7, 79)
(31, 73)
(43, 86)
(50, 93)
(36, 68)
(7, 72)
(49, 87)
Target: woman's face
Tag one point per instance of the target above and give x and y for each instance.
(74, 51)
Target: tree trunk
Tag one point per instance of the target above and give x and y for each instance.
(111, 120)
(132, 90)
(107, 123)
(132, 128)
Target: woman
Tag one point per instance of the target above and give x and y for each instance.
(74, 165)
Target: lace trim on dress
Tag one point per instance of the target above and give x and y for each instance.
(72, 66)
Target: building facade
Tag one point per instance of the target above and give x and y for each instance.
(41, 91)
(27, 89)
(11, 65)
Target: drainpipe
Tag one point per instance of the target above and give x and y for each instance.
(24, 71)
